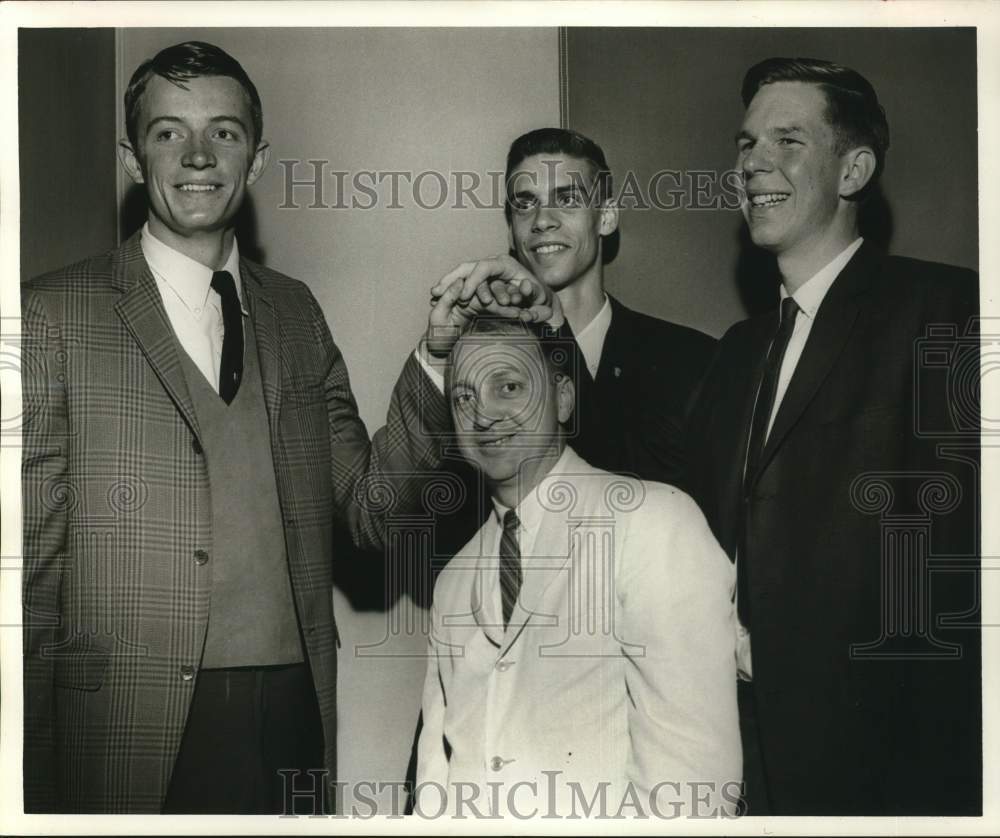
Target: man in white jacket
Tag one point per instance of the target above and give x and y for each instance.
(582, 644)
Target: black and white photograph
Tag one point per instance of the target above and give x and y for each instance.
(499, 418)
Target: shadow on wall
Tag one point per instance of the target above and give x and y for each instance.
(756, 270)
(132, 215)
(455, 504)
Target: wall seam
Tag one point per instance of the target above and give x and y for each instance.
(120, 183)
(564, 77)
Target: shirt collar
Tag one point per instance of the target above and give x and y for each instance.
(188, 279)
(591, 337)
(530, 510)
(811, 293)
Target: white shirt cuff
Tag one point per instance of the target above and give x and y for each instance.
(421, 354)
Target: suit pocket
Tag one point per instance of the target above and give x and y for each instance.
(81, 661)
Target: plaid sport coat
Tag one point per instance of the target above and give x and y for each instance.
(117, 512)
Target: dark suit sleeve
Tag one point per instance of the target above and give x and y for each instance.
(666, 407)
(46, 495)
(942, 698)
(372, 480)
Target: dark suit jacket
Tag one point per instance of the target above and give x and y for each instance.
(118, 505)
(861, 709)
(631, 414)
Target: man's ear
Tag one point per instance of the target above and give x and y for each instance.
(260, 158)
(609, 217)
(566, 398)
(857, 169)
(130, 161)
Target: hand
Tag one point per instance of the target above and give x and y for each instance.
(500, 285)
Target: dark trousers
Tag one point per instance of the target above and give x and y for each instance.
(245, 725)
(755, 797)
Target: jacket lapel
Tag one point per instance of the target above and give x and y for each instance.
(552, 552)
(553, 548)
(619, 344)
(268, 335)
(830, 332)
(141, 310)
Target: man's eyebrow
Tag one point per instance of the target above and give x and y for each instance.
(780, 130)
(176, 119)
(160, 119)
(493, 368)
(227, 118)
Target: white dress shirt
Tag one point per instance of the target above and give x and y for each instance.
(193, 307)
(809, 296)
(529, 517)
(591, 337)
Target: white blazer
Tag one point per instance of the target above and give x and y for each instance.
(616, 672)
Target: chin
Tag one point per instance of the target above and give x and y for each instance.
(555, 281)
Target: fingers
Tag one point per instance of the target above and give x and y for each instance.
(499, 286)
(474, 274)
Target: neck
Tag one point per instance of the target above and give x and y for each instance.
(582, 301)
(211, 249)
(800, 265)
(534, 469)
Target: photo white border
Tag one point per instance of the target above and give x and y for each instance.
(825, 13)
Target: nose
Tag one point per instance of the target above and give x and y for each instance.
(546, 218)
(756, 159)
(198, 154)
(484, 414)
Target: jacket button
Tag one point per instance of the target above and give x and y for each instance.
(496, 763)
(187, 673)
(196, 446)
(200, 557)
(503, 666)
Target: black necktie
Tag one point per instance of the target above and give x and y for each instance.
(763, 406)
(231, 368)
(510, 565)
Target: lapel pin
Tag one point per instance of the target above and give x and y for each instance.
(618, 372)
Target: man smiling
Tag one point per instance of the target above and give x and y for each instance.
(637, 374)
(860, 679)
(581, 646)
(190, 437)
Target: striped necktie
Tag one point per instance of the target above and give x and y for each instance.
(510, 565)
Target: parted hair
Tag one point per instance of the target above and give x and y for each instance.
(853, 108)
(560, 141)
(179, 63)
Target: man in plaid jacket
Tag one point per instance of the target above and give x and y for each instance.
(190, 437)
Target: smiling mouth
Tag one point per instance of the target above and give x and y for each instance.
(547, 249)
(198, 187)
(765, 200)
(499, 442)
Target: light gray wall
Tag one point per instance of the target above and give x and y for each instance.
(383, 100)
(670, 99)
